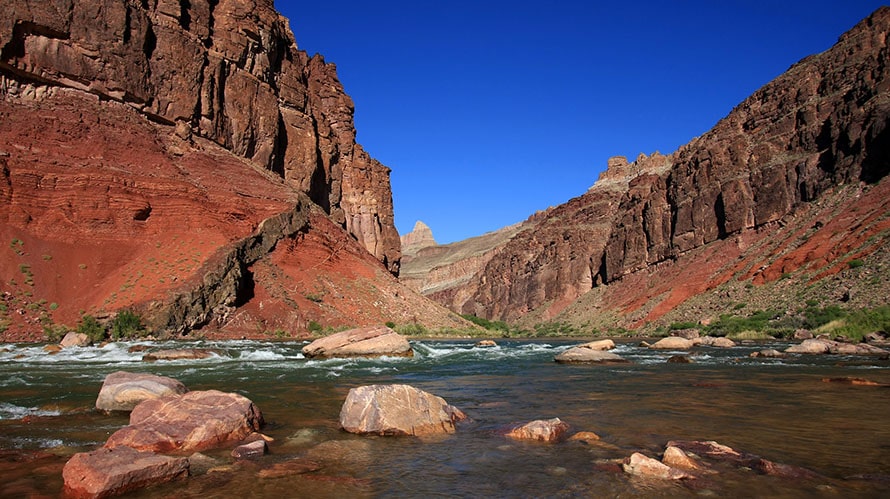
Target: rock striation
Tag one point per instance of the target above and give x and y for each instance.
(229, 71)
(122, 391)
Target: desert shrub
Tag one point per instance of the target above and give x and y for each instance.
(413, 329)
(314, 327)
(679, 326)
(127, 324)
(55, 332)
(390, 324)
(855, 264)
(90, 326)
(732, 324)
(488, 324)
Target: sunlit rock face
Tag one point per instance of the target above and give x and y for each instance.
(229, 71)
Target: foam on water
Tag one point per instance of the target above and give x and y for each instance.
(12, 411)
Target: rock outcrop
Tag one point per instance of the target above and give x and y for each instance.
(652, 233)
(419, 238)
(373, 341)
(227, 70)
(194, 421)
(397, 410)
(123, 391)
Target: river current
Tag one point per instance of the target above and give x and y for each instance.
(780, 409)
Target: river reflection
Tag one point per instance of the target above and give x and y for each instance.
(778, 409)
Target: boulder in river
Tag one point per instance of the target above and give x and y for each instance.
(106, 472)
(75, 339)
(581, 354)
(122, 391)
(716, 341)
(373, 341)
(194, 421)
(769, 353)
(541, 430)
(672, 343)
(397, 410)
(606, 344)
(486, 343)
(179, 354)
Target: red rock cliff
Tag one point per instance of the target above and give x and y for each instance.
(225, 70)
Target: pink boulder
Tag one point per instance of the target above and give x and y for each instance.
(106, 472)
(397, 410)
(122, 391)
(374, 341)
(191, 422)
(542, 430)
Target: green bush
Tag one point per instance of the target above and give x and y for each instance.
(55, 332)
(314, 327)
(90, 326)
(855, 264)
(391, 324)
(127, 324)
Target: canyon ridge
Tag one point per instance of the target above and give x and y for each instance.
(783, 202)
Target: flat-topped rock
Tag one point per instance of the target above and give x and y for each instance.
(194, 421)
(397, 410)
(582, 355)
(122, 391)
(373, 341)
(107, 472)
(179, 354)
(672, 343)
(75, 339)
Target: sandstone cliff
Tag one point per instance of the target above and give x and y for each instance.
(225, 70)
(665, 229)
(185, 160)
(419, 238)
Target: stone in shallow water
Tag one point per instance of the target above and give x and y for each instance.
(105, 472)
(672, 343)
(397, 410)
(541, 430)
(644, 466)
(587, 355)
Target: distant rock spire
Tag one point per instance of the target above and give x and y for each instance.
(419, 238)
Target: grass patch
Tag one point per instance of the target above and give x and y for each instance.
(750, 335)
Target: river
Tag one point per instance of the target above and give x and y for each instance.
(779, 409)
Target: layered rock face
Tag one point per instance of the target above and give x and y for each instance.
(654, 232)
(226, 70)
(186, 161)
(419, 238)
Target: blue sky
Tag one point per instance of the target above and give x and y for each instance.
(488, 111)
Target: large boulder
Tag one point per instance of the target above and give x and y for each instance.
(106, 472)
(122, 391)
(811, 346)
(373, 341)
(397, 410)
(541, 430)
(75, 339)
(673, 343)
(586, 355)
(718, 341)
(191, 422)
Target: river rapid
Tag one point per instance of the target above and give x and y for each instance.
(779, 409)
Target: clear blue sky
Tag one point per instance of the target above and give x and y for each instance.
(488, 111)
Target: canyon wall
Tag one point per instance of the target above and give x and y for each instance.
(821, 125)
(225, 70)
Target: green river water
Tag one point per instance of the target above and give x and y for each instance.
(778, 409)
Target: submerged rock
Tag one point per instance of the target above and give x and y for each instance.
(675, 457)
(251, 450)
(397, 410)
(769, 353)
(541, 430)
(106, 472)
(122, 391)
(587, 355)
(679, 359)
(374, 341)
(191, 422)
(297, 466)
